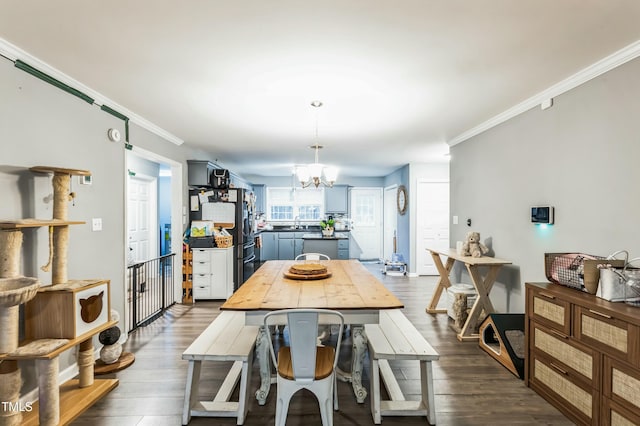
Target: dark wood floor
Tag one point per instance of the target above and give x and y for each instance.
(471, 388)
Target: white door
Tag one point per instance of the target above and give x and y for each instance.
(432, 223)
(142, 218)
(366, 215)
(390, 220)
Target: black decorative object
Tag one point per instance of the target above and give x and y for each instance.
(109, 336)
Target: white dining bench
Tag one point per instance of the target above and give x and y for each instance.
(396, 338)
(227, 338)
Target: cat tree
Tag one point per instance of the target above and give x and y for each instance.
(57, 318)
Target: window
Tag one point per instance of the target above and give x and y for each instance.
(286, 204)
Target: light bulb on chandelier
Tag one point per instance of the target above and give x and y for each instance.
(312, 174)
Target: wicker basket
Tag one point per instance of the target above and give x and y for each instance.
(224, 241)
(569, 269)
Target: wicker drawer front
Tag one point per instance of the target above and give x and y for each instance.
(548, 309)
(578, 401)
(579, 362)
(606, 333)
(617, 415)
(622, 384)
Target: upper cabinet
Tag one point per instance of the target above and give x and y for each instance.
(239, 182)
(199, 172)
(261, 202)
(336, 199)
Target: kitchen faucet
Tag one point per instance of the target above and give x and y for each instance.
(296, 222)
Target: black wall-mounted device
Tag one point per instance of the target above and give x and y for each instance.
(542, 215)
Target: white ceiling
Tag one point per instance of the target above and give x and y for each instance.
(398, 79)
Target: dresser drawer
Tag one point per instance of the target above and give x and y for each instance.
(603, 331)
(621, 384)
(201, 255)
(578, 361)
(202, 280)
(578, 401)
(616, 415)
(547, 308)
(201, 291)
(201, 267)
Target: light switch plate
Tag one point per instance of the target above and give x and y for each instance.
(96, 224)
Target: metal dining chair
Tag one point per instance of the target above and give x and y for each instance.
(303, 364)
(323, 331)
(312, 256)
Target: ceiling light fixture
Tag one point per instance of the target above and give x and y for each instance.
(312, 174)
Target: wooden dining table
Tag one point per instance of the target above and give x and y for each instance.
(350, 289)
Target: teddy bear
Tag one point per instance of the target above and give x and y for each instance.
(472, 245)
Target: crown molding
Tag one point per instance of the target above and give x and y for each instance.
(612, 61)
(13, 53)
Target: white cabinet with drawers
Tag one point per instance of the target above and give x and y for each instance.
(212, 273)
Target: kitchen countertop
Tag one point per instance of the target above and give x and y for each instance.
(311, 229)
(318, 236)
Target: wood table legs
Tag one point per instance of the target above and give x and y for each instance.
(264, 360)
(443, 283)
(483, 288)
(358, 348)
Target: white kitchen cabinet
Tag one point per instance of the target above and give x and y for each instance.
(212, 273)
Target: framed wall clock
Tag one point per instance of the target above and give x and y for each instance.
(402, 199)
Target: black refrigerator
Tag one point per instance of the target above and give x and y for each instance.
(204, 205)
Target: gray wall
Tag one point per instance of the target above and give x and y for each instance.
(42, 125)
(581, 156)
(403, 225)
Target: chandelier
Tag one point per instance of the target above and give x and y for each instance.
(313, 174)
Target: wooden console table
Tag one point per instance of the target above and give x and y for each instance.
(482, 285)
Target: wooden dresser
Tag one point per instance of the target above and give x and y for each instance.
(583, 354)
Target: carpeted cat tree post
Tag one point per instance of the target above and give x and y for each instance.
(14, 291)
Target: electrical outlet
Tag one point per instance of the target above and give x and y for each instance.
(455, 220)
(96, 224)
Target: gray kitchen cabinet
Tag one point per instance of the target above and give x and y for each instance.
(328, 246)
(269, 249)
(289, 245)
(297, 244)
(286, 248)
(343, 249)
(261, 202)
(198, 172)
(336, 199)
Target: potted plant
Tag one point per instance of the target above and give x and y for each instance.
(327, 227)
